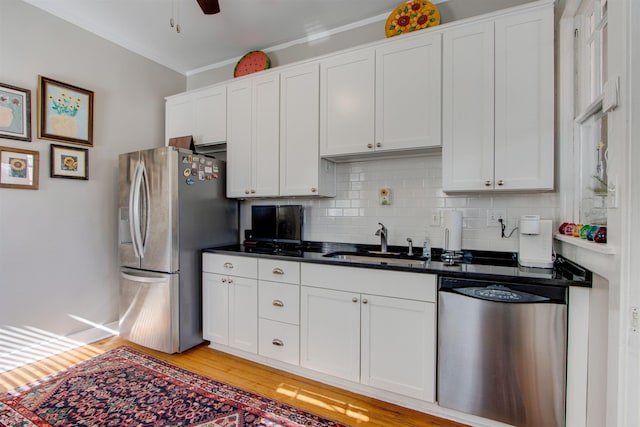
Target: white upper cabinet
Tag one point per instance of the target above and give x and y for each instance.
(302, 171)
(178, 116)
(408, 94)
(385, 99)
(201, 114)
(347, 96)
(210, 114)
(525, 101)
(467, 105)
(253, 137)
(498, 127)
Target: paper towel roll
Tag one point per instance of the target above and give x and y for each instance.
(453, 231)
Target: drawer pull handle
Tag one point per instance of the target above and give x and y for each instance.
(278, 270)
(277, 342)
(228, 265)
(365, 301)
(354, 299)
(277, 303)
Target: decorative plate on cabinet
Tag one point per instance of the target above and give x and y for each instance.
(410, 16)
(252, 62)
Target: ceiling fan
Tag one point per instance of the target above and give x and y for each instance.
(209, 7)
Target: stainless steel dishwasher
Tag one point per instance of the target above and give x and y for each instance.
(502, 350)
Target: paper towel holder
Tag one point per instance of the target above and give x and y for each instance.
(449, 256)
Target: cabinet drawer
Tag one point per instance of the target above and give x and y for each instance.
(279, 301)
(279, 341)
(230, 265)
(397, 284)
(279, 271)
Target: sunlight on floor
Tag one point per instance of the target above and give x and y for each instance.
(29, 353)
(324, 402)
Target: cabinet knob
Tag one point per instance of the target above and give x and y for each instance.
(224, 280)
(246, 191)
(253, 191)
(487, 183)
(378, 144)
(228, 265)
(365, 301)
(354, 299)
(369, 145)
(278, 271)
(313, 190)
(230, 281)
(277, 342)
(500, 182)
(277, 303)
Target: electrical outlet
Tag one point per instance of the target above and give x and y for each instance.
(493, 215)
(436, 218)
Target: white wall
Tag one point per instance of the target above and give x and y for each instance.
(58, 253)
(416, 193)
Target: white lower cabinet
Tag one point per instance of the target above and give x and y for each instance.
(230, 303)
(371, 327)
(330, 332)
(377, 340)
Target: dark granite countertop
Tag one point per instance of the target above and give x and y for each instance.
(481, 265)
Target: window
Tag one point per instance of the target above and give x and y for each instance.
(590, 131)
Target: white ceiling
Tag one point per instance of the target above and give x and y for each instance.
(142, 26)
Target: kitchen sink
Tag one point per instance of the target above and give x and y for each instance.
(376, 257)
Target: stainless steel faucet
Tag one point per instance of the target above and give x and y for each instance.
(382, 232)
(410, 253)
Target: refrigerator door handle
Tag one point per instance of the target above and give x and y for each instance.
(143, 279)
(144, 179)
(133, 210)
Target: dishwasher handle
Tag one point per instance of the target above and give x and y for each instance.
(498, 293)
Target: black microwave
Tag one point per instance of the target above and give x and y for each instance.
(277, 224)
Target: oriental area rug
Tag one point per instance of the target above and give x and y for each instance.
(124, 387)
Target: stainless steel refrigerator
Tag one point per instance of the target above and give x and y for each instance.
(172, 205)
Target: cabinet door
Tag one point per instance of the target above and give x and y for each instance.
(408, 94)
(467, 108)
(347, 114)
(299, 127)
(398, 346)
(215, 308)
(210, 115)
(330, 332)
(239, 131)
(524, 101)
(266, 135)
(178, 117)
(243, 314)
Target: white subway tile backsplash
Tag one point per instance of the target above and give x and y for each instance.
(416, 190)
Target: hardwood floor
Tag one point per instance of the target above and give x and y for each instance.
(327, 401)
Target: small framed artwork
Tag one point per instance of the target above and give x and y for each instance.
(15, 112)
(69, 162)
(19, 168)
(65, 112)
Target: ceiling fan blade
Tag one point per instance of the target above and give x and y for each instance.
(209, 7)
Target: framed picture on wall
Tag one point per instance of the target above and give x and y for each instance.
(15, 112)
(19, 168)
(65, 112)
(69, 162)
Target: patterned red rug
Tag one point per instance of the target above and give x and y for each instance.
(124, 387)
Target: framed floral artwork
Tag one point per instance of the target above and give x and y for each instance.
(69, 162)
(15, 112)
(19, 168)
(65, 112)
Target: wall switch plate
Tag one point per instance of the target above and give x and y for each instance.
(436, 218)
(493, 215)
